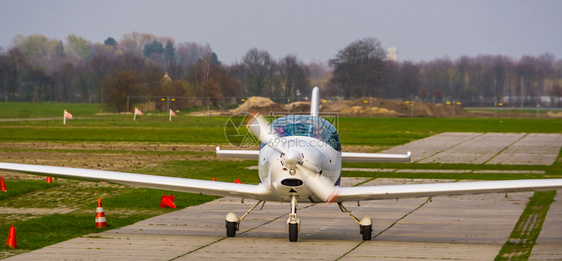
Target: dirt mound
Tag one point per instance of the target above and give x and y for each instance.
(259, 104)
(362, 107)
(392, 108)
(300, 106)
(210, 113)
(552, 114)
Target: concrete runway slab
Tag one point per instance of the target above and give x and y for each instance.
(430, 146)
(488, 148)
(467, 227)
(477, 150)
(535, 148)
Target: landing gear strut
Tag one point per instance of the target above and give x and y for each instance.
(232, 222)
(365, 224)
(293, 223)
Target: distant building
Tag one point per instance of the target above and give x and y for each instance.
(392, 54)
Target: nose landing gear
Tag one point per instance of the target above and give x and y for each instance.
(293, 223)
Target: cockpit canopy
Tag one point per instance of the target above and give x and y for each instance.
(307, 126)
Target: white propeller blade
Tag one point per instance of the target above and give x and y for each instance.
(320, 185)
(258, 126)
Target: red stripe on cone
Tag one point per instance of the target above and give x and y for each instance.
(3, 187)
(167, 201)
(11, 242)
(100, 215)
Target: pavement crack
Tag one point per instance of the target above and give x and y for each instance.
(505, 148)
(403, 217)
(448, 148)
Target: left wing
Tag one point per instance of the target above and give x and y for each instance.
(147, 181)
(445, 189)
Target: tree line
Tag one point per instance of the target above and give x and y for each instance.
(37, 68)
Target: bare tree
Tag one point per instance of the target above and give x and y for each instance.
(258, 71)
(358, 68)
(293, 75)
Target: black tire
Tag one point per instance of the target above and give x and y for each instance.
(366, 232)
(293, 232)
(230, 229)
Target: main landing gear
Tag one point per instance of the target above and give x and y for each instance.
(232, 222)
(365, 224)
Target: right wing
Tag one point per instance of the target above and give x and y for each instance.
(146, 181)
(374, 157)
(361, 193)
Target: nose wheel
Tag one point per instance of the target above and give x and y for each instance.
(293, 223)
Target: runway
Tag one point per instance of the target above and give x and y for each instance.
(471, 227)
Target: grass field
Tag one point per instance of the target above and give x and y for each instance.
(153, 145)
(23, 110)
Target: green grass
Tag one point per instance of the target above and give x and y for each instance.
(118, 128)
(528, 110)
(143, 198)
(20, 187)
(17, 110)
(528, 228)
(39, 232)
(204, 130)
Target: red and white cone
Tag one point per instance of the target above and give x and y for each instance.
(100, 215)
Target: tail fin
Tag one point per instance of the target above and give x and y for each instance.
(314, 102)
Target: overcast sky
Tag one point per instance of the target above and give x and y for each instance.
(313, 30)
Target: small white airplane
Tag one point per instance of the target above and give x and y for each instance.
(299, 161)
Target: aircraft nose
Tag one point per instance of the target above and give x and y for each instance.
(292, 158)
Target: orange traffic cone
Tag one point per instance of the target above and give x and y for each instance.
(238, 181)
(11, 242)
(213, 178)
(3, 185)
(100, 215)
(49, 180)
(167, 201)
